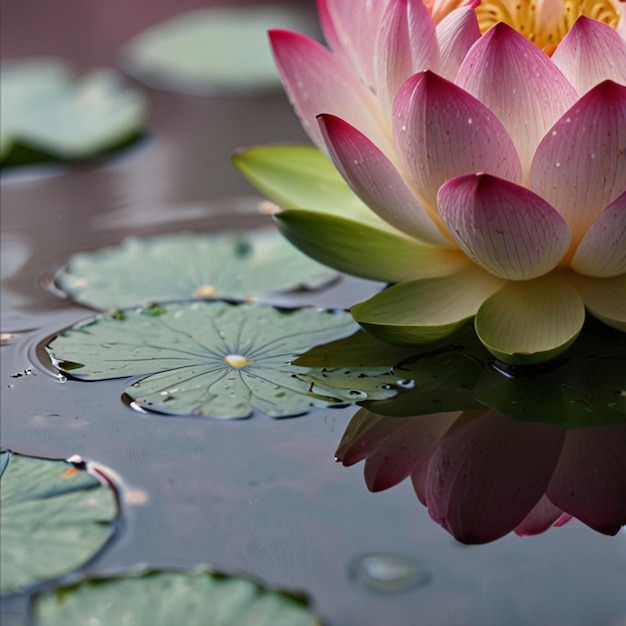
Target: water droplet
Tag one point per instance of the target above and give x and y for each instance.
(389, 572)
(406, 383)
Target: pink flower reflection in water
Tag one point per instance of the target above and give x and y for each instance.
(482, 475)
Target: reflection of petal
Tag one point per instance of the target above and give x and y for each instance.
(408, 446)
(590, 479)
(543, 515)
(488, 472)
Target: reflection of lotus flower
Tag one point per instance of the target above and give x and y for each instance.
(499, 172)
(482, 475)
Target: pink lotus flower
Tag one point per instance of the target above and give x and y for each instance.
(492, 176)
(482, 475)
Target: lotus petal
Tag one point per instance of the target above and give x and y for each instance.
(377, 182)
(519, 83)
(421, 311)
(602, 251)
(317, 82)
(350, 33)
(365, 251)
(456, 34)
(580, 165)
(590, 53)
(461, 493)
(406, 43)
(441, 132)
(604, 298)
(531, 321)
(506, 229)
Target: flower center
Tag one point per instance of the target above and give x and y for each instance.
(236, 360)
(544, 22)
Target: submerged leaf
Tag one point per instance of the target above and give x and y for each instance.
(187, 265)
(49, 114)
(163, 598)
(206, 358)
(55, 517)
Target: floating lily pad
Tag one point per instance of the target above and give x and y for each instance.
(211, 51)
(163, 598)
(213, 358)
(585, 387)
(55, 517)
(49, 114)
(187, 265)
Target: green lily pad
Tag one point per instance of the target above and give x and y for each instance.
(55, 517)
(585, 387)
(187, 265)
(47, 113)
(213, 359)
(211, 51)
(163, 598)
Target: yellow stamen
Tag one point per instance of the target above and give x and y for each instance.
(544, 23)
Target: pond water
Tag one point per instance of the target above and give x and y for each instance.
(259, 496)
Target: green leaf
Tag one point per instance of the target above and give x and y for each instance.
(54, 517)
(163, 598)
(356, 248)
(205, 358)
(301, 177)
(211, 51)
(186, 265)
(48, 114)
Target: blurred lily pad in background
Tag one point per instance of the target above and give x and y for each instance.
(214, 51)
(48, 113)
(55, 516)
(216, 359)
(163, 598)
(187, 265)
